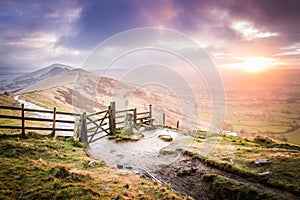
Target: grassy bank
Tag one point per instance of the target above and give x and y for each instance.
(38, 167)
(239, 156)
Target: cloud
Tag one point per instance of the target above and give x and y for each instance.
(30, 30)
(100, 20)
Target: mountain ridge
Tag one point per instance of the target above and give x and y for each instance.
(15, 83)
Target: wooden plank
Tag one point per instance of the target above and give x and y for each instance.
(10, 108)
(94, 127)
(39, 128)
(65, 121)
(10, 117)
(98, 138)
(49, 129)
(143, 113)
(97, 113)
(97, 120)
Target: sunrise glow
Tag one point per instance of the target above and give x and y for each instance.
(253, 64)
(257, 64)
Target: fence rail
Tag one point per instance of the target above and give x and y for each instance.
(22, 118)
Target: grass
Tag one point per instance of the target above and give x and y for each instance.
(223, 188)
(237, 155)
(38, 167)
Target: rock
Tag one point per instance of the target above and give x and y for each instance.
(142, 129)
(126, 186)
(107, 189)
(119, 166)
(129, 167)
(261, 161)
(18, 177)
(92, 163)
(166, 138)
(264, 173)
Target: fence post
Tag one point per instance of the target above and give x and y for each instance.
(112, 117)
(150, 114)
(54, 122)
(83, 135)
(164, 119)
(177, 125)
(134, 115)
(23, 120)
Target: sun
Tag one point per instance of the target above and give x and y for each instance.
(256, 64)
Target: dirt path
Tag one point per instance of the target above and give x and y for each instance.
(181, 172)
(191, 181)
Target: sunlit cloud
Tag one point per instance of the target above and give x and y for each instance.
(250, 32)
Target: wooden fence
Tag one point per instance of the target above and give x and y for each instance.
(90, 127)
(25, 115)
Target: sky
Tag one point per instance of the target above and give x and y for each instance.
(248, 34)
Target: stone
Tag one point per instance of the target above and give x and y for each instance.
(166, 138)
(142, 128)
(261, 161)
(92, 163)
(18, 177)
(119, 166)
(264, 173)
(107, 189)
(129, 167)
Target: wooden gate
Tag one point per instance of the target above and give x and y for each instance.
(97, 125)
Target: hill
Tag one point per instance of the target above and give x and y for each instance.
(15, 83)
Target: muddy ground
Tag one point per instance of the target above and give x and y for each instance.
(187, 176)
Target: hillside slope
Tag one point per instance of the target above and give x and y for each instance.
(15, 83)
